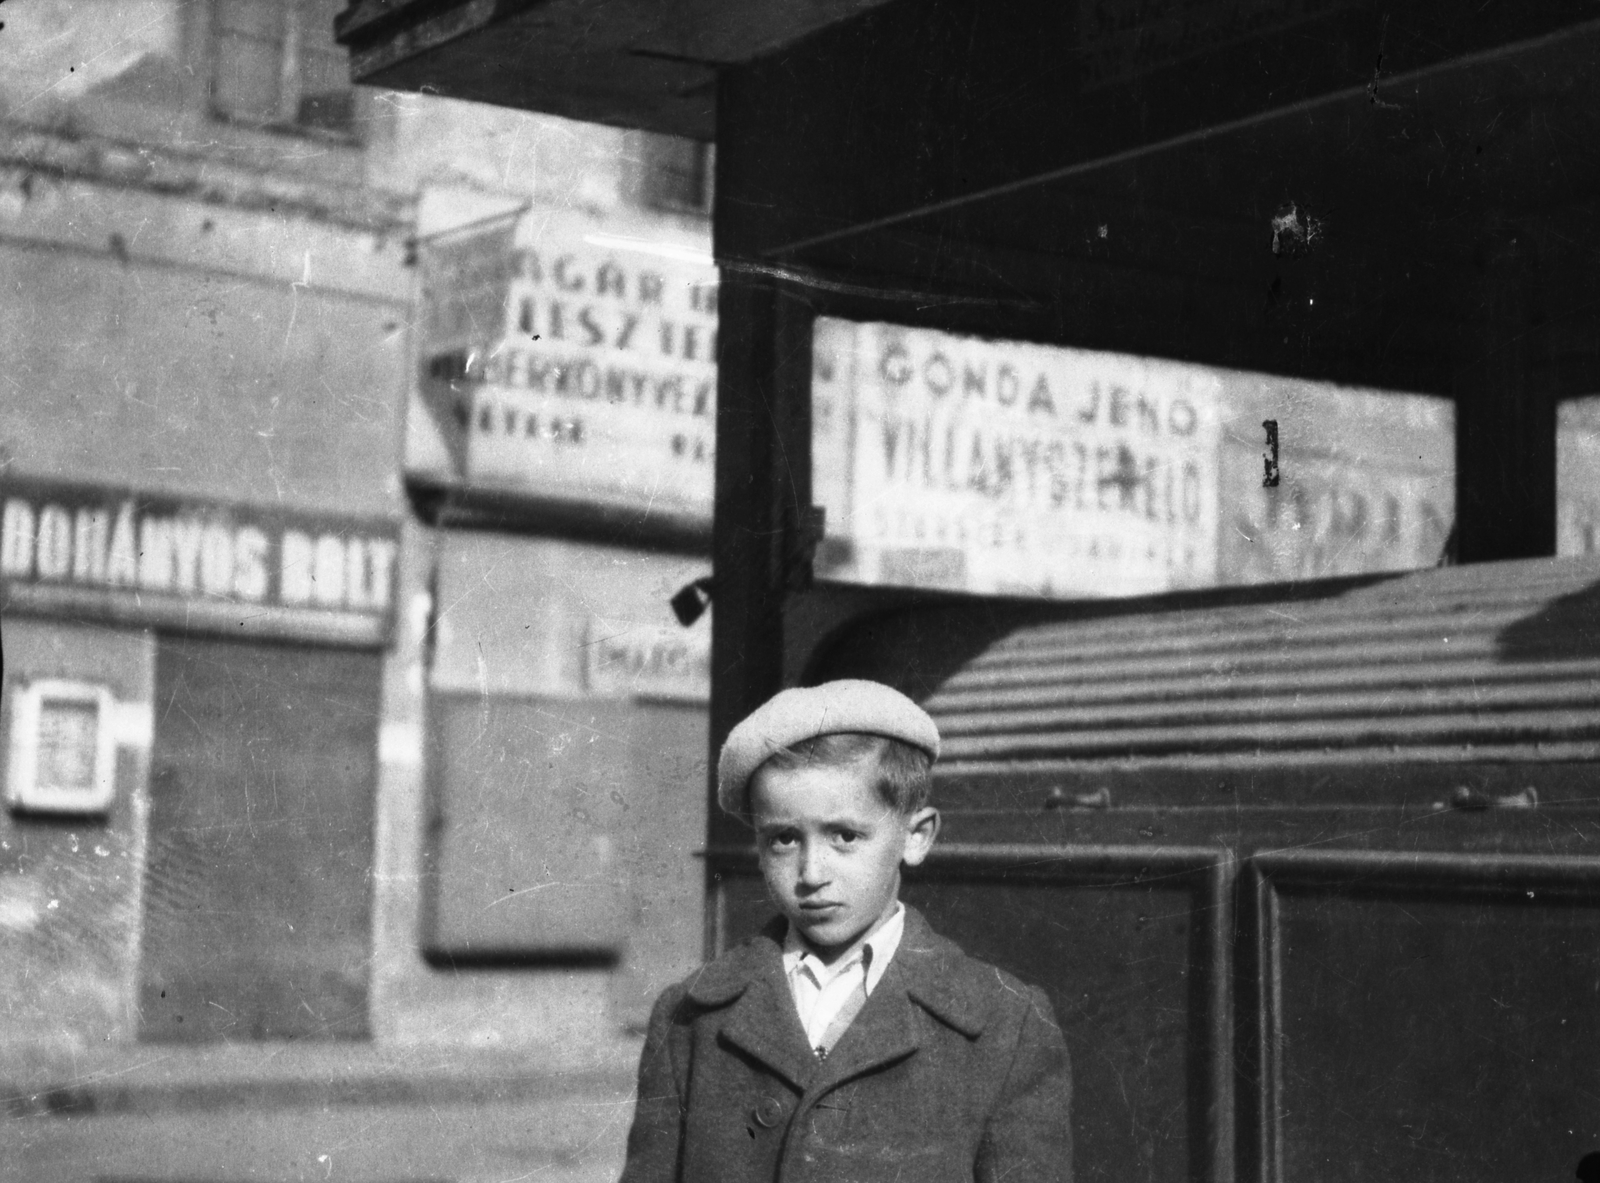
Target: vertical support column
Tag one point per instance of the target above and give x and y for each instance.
(1506, 419)
(763, 490)
(763, 462)
(746, 535)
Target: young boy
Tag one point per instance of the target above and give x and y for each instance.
(848, 1041)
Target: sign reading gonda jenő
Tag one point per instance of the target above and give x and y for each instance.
(586, 362)
(998, 466)
(111, 554)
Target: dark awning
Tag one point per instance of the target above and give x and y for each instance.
(632, 63)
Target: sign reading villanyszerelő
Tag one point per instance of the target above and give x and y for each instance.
(237, 570)
(580, 363)
(1002, 466)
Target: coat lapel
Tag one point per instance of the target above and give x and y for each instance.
(762, 1021)
(886, 1030)
(928, 974)
(764, 1024)
(943, 980)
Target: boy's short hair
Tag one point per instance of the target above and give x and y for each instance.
(904, 772)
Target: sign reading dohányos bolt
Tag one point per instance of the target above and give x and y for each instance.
(111, 554)
(1002, 466)
(565, 361)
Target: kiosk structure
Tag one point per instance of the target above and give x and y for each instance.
(1312, 870)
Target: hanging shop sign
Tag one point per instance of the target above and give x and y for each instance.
(568, 362)
(1364, 480)
(94, 553)
(1332, 516)
(1004, 467)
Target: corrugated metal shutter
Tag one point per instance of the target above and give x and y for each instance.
(1483, 664)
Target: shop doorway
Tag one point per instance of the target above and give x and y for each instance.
(257, 897)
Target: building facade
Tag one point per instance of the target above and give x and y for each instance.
(206, 328)
(289, 763)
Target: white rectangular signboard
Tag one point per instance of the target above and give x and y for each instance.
(1008, 467)
(586, 361)
(647, 659)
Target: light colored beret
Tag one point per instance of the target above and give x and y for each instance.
(792, 716)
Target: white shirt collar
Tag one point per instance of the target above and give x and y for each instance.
(883, 944)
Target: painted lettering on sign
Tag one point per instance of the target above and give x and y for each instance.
(1001, 466)
(639, 660)
(143, 554)
(1340, 514)
(598, 380)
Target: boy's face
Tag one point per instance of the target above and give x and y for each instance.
(831, 848)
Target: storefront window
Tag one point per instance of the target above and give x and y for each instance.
(568, 709)
(276, 64)
(676, 174)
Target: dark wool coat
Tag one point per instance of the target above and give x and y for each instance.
(953, 1070)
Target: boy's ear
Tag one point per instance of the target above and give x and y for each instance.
(922, 827)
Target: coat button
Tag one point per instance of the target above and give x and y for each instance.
(769, 1112)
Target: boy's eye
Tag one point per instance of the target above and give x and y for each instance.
(846, 837)
(780, 841)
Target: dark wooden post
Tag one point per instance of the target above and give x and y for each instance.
(763, 491)
(1506, 418)
(747, 611)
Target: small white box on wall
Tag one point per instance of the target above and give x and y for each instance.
(63, 748)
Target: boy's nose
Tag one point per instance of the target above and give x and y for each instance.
(813, 871)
